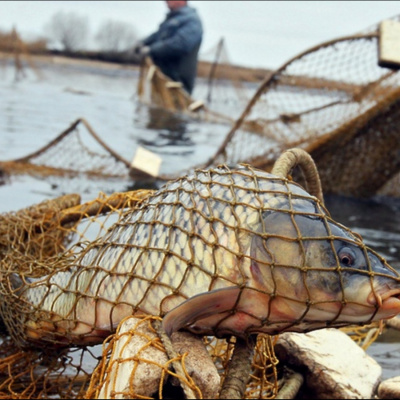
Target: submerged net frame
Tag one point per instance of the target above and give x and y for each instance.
(51, 237)
(71, 154)
(334, 101)
(155, 89)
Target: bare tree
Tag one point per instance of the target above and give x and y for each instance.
(69, 29)
(114, 36)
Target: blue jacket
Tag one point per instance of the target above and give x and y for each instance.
(175, 46)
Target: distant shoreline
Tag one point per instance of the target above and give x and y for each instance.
(110, 61)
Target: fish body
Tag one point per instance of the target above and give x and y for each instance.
(222, 251)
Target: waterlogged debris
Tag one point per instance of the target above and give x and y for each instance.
(388, 49)
(146, 163)
(77, 91)
(337, 368)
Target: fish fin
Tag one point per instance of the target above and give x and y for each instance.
(17, 283)
(201, 306)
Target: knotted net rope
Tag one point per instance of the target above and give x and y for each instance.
(71, 273)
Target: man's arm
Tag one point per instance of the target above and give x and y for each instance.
(150, 39)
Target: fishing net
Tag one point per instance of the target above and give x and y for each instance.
(72, 273)
(151, 356)
(333, 100)
(365, 335)
(39, 240)
(222, 89)
(11, 42)
(74, 152)
(157, 90)
(226, 88)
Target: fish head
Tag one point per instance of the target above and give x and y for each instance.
(301, 271)
(317, 273)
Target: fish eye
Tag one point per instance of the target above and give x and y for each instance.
(347, 256)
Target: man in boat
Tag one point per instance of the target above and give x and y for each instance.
(174, 47)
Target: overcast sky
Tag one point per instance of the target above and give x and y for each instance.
(257, 33)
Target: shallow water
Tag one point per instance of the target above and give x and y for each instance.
(34, 111)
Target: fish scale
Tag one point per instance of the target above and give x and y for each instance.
(206, 244)
(174, 229)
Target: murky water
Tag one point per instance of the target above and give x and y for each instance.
(33, 111)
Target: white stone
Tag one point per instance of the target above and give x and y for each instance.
(146, 162)
(389, 38)
(390, 388)
(337, 367)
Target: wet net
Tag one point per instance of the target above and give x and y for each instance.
(333, 100)
(11, 43)
(213, 105)
(221, 253)
(138, 371)
(77, 151)
(336, 102)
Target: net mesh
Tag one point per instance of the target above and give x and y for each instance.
(11, 42)
(61, 328)
(71, 273)
(157, 90)
(72, 153)
(333, 100)
(263, 382)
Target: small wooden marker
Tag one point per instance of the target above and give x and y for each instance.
(145, 163)
(389, 44)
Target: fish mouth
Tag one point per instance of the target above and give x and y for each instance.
(388, 302)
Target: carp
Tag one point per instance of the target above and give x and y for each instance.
(223, 251)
